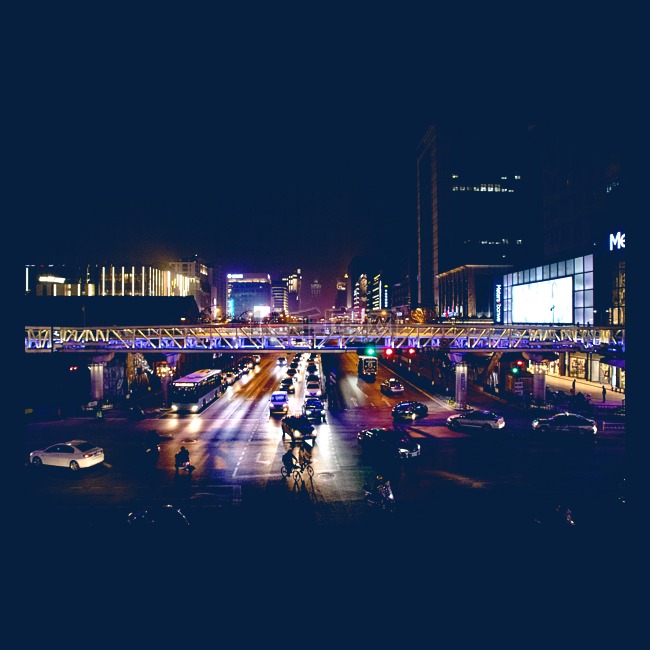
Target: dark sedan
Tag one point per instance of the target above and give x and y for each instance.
(389, 442)
(567, 424)
(408, 411)
(287, 384)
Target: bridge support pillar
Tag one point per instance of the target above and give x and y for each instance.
(539, 384)
(96, 381)
(461, 386)
(97, 376)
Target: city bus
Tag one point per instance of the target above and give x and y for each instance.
(196, 390)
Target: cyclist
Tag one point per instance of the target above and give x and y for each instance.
(289, 461)
(304, 455)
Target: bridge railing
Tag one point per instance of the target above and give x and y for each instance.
(327, 337)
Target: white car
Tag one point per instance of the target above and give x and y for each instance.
(392, 386)
(475, 419)
(230, 377)
(74, 454)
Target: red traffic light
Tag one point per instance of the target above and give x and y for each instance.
(389, 352)
(520, 363)
(411, 352)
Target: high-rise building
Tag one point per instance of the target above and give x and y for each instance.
(250, 296)
(473, 202)
(315, 290)
(585, 211)
(294, 287)
(342, 293)
(200, 275)
(280, 297)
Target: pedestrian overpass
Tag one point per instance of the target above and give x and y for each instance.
(322, 337)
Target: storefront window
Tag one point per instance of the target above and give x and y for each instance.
(577, 368)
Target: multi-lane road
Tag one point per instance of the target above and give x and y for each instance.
(462, 483)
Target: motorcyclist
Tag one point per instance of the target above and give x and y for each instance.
(380, 487)
(182, 457)
(289, 461)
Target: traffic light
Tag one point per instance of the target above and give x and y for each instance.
(389, 352)
(411, 352)
(370, 350)
(518, 367)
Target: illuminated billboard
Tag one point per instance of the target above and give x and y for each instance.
(261, 311)
(549, 301)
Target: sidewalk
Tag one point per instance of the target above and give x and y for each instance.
(593, 389)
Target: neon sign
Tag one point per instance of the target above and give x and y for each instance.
(617, 241)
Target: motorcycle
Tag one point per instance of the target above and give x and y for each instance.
(381, 497)
(183, 465)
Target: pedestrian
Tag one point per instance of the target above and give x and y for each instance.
(604, 393)
(573, 385)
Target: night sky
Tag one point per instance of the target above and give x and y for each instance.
(264, 139)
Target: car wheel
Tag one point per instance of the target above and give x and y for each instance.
(74, 465)
(37, 462)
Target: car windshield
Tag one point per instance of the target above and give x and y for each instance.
(313, 403)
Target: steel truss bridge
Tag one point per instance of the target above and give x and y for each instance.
(324, 337)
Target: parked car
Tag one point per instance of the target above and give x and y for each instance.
(391, 386)
(566, 424)
(476, 419)
(288, 385)
(389, 442)
(409, 410)
(314, 409)
(74, 454)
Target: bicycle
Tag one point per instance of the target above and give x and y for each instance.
(306, 465)
(295, 473)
